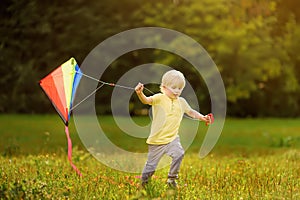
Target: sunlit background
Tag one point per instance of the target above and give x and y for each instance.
(255, 45)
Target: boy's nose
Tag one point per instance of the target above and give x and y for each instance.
(177, 91)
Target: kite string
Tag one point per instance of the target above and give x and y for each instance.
(121, 86)
(102, 84)
(111, 84)
(88, 96)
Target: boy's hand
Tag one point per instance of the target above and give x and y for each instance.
(139, 88)
(209, 119)
(139, 91)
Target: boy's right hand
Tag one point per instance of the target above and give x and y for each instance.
(139, 91)
(139, 88)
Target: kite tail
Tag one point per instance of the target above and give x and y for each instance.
(70, 151)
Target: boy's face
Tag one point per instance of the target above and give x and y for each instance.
(173, 91)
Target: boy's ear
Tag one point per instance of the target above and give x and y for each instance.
(162, 88)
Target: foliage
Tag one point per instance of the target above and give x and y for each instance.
(253, 43)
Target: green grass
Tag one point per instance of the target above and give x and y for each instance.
(35, 134)
(253, 159)
(227, 177)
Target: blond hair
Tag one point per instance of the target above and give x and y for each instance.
(171, 78)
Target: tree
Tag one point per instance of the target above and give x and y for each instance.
(253, 43)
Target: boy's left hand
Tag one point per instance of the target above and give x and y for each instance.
(209, 119)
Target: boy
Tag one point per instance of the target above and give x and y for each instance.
(168, 109)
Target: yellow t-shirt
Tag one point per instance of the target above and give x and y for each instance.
(167, 115)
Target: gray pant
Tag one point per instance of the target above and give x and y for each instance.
(155, 153)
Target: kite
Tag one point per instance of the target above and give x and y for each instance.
(60, 86)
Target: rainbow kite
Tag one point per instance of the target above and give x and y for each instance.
(60, 87)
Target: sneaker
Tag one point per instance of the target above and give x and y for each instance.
(144, 183)
(172, 183)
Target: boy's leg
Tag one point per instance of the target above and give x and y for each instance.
(155, 153)
(176, 151)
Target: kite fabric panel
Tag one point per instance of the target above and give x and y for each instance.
(60, 87)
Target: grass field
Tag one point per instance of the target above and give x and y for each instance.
(253, 159)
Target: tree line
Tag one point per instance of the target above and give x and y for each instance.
(254, 44)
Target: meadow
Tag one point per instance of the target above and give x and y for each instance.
(253, 159)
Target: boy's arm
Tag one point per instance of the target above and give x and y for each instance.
(139, 91)
(196, 115)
